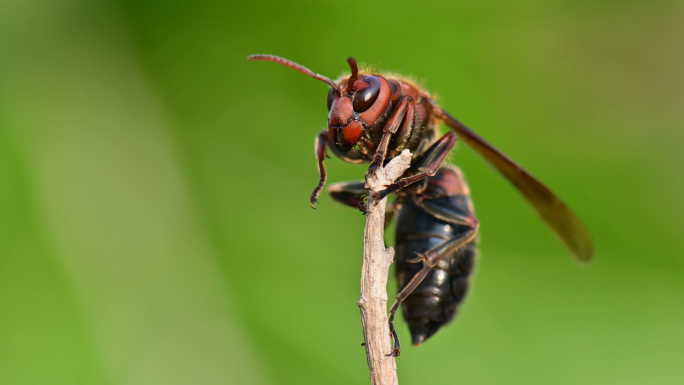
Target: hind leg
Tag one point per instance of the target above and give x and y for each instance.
(432, 257)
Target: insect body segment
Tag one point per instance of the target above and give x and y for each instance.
(372, 118)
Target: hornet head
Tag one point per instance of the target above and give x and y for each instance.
(355, 103)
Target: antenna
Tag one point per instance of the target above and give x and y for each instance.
(295, 66)
(354, 75)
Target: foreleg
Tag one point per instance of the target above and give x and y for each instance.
(402, 115)
(323, 140)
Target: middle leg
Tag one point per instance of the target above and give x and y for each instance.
(429, 163)
(352, 194)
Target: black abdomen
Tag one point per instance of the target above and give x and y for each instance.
(436, 300)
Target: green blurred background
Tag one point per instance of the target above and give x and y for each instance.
(154, 184)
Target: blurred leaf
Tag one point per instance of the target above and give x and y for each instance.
(155, 185)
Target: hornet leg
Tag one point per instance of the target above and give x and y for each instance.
(323, 140)
(404, 112)
(428, 166)
(352, 194)
(434, 256)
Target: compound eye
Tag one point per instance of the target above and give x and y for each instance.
(365, 97)
(331, 96)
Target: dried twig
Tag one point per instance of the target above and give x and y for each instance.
(376, 263)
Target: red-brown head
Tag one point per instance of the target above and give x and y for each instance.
(358, 103)
(355, 104)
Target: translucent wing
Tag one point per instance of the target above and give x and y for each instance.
(555, 213)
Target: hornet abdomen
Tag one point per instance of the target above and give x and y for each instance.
(436, 300)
